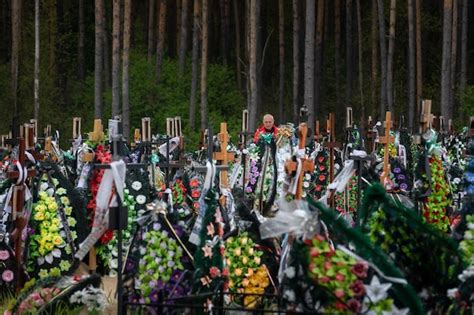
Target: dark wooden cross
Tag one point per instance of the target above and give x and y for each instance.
(223, 157)
(307, 165)
(317, 132)
(331, 143)
(17, 203)
(146, 129)
(370, 136)
(386, 140)
(76, 127)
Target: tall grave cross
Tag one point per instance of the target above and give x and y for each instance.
(291, 166)
(386, 140)
(223, 156)
(19, 176)
(331, 143)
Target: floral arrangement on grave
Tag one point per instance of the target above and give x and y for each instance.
(399, 177)
(346, 201)
(103, 157)
(431, 263)
(210, 272)
(7, 271)
(194, 193)
(437, 205)
(319, 180)
(247, 274)
(346, 281)
(108, 253)
(461, 296)
(51, 232)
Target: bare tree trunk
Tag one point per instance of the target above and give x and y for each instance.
(224, 31)
(227, 28)
(184, 36)
(296, 59)
(37, 59)
(411, 65)
(454, 47)
(81, 71)
(446, 59)
(462, 83)
(99, 57)
(204, 56)
(318, 57)
(281, 39)
(52, 15)
(383, 60)
(161, 39)
(374, 65)
(116, 59)
(253, 65)
(361, 78)
(391, 49)
(125, 74)
(419, 67)
(195, 60)
(151, 28)
(178, 25)
(105, 37)
(337, 58)
(309, 60)
(349, 49)
(237, 44)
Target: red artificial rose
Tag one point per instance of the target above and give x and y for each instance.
(354, 305)
(358, 288)
(360, 269)
(214, 272)
(107, 237)
(322, 177)
(195, 194)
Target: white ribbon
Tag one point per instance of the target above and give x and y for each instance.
(402, 153)
(357, 257)
(115, 176)
(173, 143)
(294, 180)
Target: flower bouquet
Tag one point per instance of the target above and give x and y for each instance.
(7, 270)
(247, 274)
(50, 234)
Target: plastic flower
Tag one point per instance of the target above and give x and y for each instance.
(7, 275)
(4, 255)
(64, 265)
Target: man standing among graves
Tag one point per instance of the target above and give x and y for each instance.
(267, 129)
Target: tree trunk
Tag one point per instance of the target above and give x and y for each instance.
(116, 59)
(237, 44)
(227, 28)
(374, 65)
(195, 60)
(391, 49)
(224, 31)
(419, 67)
(52, 14)
(383, 60)
(454, 47)
(184, 36)
(204, 56)
(349, 55)
(151, 28)
(81, 71)
(296, 59)
(446, 59)
(178, 25)
(161, 39)
(337, 57)
(462, 83)
(125, 75)
(106, 50)
(99, 57)
(318, 58)
(309, 60)
(281, 39)
(37, 60)
(411, 65)
(361, 70)
(253, 65)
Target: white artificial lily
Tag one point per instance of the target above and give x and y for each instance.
(377, 291)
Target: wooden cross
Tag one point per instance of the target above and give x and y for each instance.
(306, 164)
(450, 127)
(331, 143)
(170, 127)
(386, 140)
(76, 127)
(442, 125)
(98, 133)
(223, 156)
(349, 121)
(47, 131)
(370, 136)
(146, 129)
(317, 132)
(137, 136)
(17, 202)
(471, 126)
(3, 141)
(425, 116)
